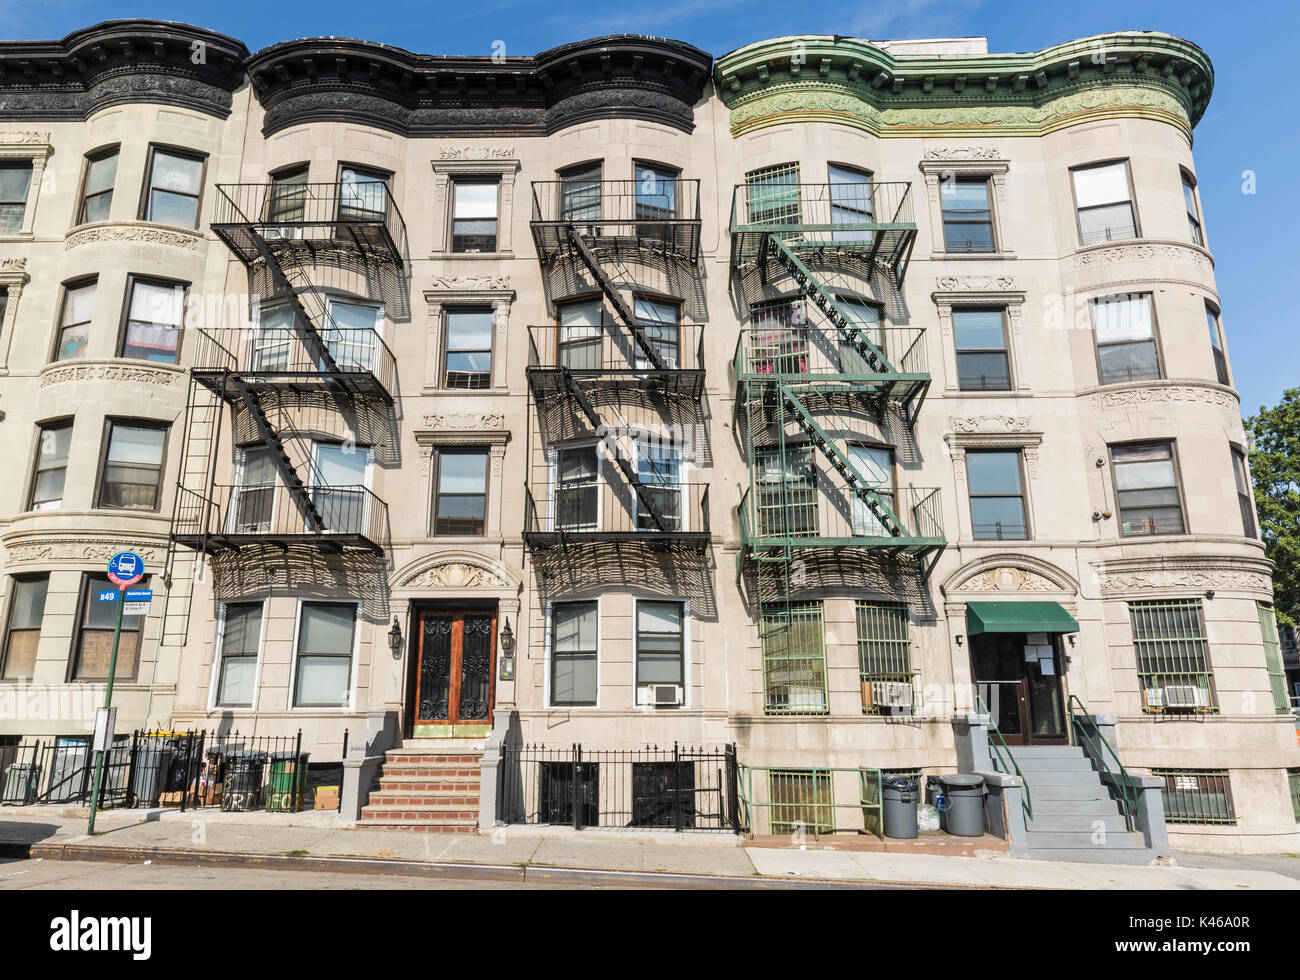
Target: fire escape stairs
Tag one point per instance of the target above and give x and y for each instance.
(304, 327)
(621, 309)
(283, 464)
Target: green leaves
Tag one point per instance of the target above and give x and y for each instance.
(1275, 472)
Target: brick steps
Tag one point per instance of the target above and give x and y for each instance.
(427, 788)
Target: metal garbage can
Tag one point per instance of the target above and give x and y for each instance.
(152, 765)
(961, 804)
(899, 795)
(287, 781)
(243, 786)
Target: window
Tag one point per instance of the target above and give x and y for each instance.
(15, 181)
(981, 340)
(658, 320)
(1293, 781)
(131, 472)
(573, 653)
(875, 464)
(52, 442)
(967, 215)
(660, 652)
(787, 493)
(173, 189)
(866, 317)
(23, 629)
(154, 319)
(354, 329)
(1146, 485)
(580, 335)
(1101, 193)
(801, 800)
(272, 335)
(74, 320)
(324, 668)
(341, 498)
(1193, 209)
(92, 643)
(1273, 658)
(779, 340)
(474, 216)
(469, 349)
(363, 194)
(772, 194)
(997, 500)
(656, 192)
(580, 193)
(4, 303)
(460, 501)
(885, 658)
(97, 187)
(577, 489)
(1196, 795)
(1173, 657)
(659, 468)
(287, 201)
(1241, 478)
(254, 496)
(1216, 344)
(794, 659)
(1125, 332)
(241, 629)
(850, 192)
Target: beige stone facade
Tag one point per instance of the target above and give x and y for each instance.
(428, 135)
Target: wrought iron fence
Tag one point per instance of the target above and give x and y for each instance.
(679, 788)
(161, 768)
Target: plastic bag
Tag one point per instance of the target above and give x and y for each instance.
(927, 817)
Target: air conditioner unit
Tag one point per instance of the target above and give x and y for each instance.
(274, 232)
(659, 695)
(894, 694)
(1178, 696)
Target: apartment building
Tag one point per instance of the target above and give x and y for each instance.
(812, 401)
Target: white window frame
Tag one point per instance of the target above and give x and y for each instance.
(292, 696)
(547, 654)
(239, 488)
(637, 599)
(214, 683)
(331, 299)
(316, 444)
(34, 148)
(553, 477)
(683, 472)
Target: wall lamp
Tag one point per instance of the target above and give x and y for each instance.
(395, 639)
(507, 671)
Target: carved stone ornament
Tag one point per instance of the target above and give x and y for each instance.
(975, 283)
(458, 572)
(471, 282)
(990, 423)
(1007, 579)
(1198, 577)
(1166, 394)
(1139, 253)
(124, 373)
(477, 153)
(13, 266)
(141, 234)
(24, 139)
(458, 422)
(81, 550)
(961, 153)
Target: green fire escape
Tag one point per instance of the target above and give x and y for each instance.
(816, 363)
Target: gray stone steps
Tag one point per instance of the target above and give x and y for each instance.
(1058, 822)
(1121, 840)
(1034, 764)
(1089, 809)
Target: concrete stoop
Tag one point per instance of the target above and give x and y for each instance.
(1075, 817)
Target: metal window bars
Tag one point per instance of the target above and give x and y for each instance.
(1172, 657)
(1199, 796)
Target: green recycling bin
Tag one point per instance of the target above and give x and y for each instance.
(288, 779)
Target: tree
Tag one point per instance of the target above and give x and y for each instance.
(1275, 469)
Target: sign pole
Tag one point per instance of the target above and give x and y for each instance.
(108, 703)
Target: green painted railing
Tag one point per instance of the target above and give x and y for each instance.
(1007, 760)
(1099, 749)
(793, 794)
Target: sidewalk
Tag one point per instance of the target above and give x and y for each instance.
(320, 841)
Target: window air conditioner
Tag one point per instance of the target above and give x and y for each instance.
(659, 695)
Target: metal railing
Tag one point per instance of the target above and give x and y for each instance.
(352, 515)
(805, 352)
(605, 508)
(344, 214)
(795, 800)
(611, 348)
(1088, 735)
(826, 515)
(1002, 753)
(280, 355)
(676, 788)
(663, 215)
(1201, 796)
(1166, 692)
(828, 213)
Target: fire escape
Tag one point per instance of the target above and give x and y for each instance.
(279, 379)
(616, 397)
(815, 370)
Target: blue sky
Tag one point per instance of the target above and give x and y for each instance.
(1254, 237)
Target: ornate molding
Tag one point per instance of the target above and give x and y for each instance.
(110, 371)
(24, 139)
(1010, 572)
(477, 153)
(456, 570)
(1156, 574)
(475, 283)
(14, 266)
(983, 284)
(1165, 393)
(989, 423)
(26, 550)
(961, 153)
(1119, 253)
(139, 233)
(459, 423)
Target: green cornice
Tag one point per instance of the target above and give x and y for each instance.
(819, 78)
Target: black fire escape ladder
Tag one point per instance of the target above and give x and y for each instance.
(306, 330)
(842, 465)
(849, 330)
(271, 439)
(621, 308)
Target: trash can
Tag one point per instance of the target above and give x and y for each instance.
(961, 804)
(243, 786)
(288, 778)
(20, 783)
(899, 796)
(152, 765)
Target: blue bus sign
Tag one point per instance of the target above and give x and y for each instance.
(132, 595)
(125, 569)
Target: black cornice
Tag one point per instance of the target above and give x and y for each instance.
(116, 62)
(338, 79)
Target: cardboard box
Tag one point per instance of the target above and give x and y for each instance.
(327, 798)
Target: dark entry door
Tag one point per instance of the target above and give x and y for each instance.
(1024, 694)
(454, 669)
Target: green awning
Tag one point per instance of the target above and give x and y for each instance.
(1018, 617)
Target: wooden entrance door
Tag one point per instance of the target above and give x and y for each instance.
(1025, 697)
(454, 674)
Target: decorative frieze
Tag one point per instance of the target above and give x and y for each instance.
(24, 139)
(976, 283)
(1141, 253)
(989, 423)
(477, 153)
(123, 373)
(1172, 575)
(471, 282)
(81, 550)
(1007, 579)
(961, 153)
(139, 234)
(1164, 394)
(460, 423)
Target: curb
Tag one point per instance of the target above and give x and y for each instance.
(426, 869)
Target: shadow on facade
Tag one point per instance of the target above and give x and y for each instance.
(260, 571)
(812, 573)
(627, 567)
(645, 272)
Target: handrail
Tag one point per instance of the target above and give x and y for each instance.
(1128, 796)
(1009, 760)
